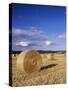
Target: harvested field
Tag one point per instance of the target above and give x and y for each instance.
(53, 71)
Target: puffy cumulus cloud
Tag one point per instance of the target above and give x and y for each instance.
(33, 38)
(48, 43)
(24, 44)
(27, 43)
(62, 36)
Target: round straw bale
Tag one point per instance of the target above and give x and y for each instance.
(29, 61)
(12, 55)
(50, 56)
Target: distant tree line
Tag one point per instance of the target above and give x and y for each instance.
(40, 51)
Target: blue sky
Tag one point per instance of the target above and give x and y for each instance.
(38, 27)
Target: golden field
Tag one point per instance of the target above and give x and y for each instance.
(53, 71)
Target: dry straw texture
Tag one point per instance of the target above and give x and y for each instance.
(50, 56)
(29, 61)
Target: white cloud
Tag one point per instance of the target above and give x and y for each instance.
(62, 35)
(26, 32)
(24, 44)
(19, 32)
(48, 43)
(34, 34)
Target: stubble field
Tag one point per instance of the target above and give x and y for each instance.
(53, 71)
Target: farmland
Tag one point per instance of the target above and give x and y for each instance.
(53, 71)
